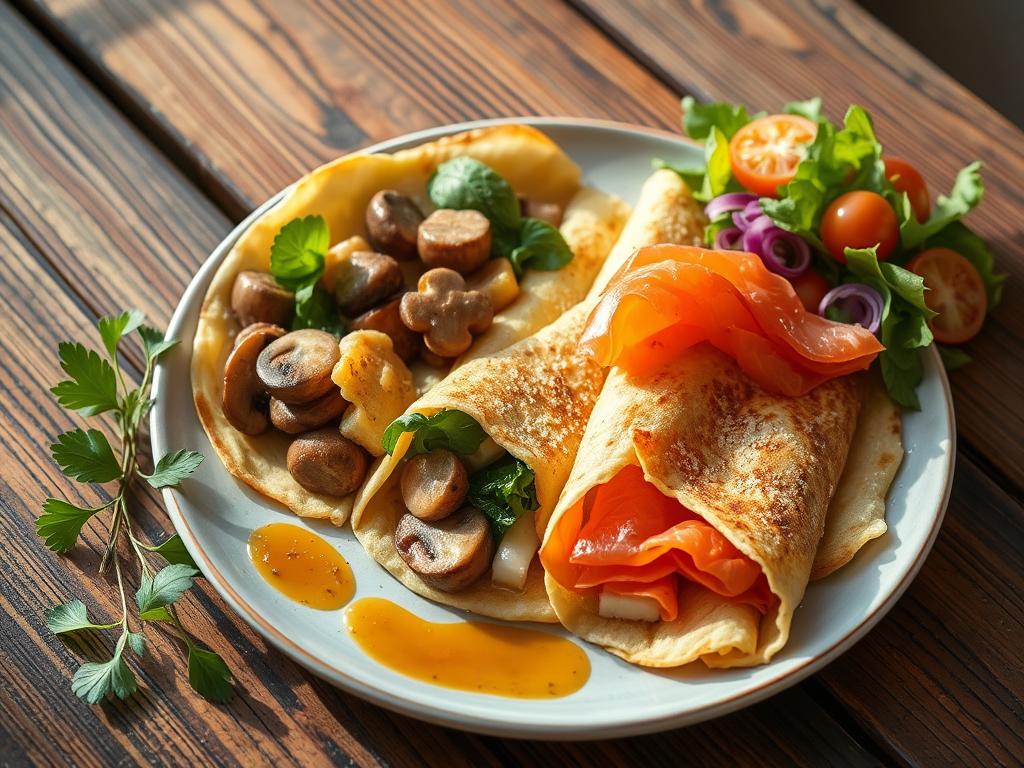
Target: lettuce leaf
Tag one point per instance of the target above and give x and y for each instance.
(699, 119)
(503, 491)
(452, 430)
(810, 108)
(966, 194)
(962, 240)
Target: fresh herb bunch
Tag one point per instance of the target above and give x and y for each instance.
(97, 385)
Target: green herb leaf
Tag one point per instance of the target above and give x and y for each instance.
(542, 247)
(165, 587)
(113, 327)
(811, 108)
(86, 456)
(297, 255)
(173, 468)
(208, 675)
(953, 357)
(962, 240)
(173, 551)
(966, 194)
(315, 308)
(71, 617)
(451, 429)
(92, 388)
(160, 613)
(137, 641)
(700, 119)
(95, 680)
(464, 183)
(61, 523)
(153, 342)
(503, 491)
(718, 170)
(692, 175)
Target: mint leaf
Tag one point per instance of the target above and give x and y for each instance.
(173, 551)
(542, 247)
(113, 327)
(92, 388)
(962, 240)
(297, 255)
(453, 430)
(86, 456)
(165, 587)
(699, 120)
(153, 342)
(464, 183)
(966, 194)
(95, 680)
(811, 108)
(503, 491)
(208, 675)
(71, 617)
(61, 523)
(173, 468)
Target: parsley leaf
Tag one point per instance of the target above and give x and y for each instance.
(297, 255)
(86, 456)
(113, 327)
(71, 617)
(699, 120)
(314, 308)
(173, 551)
(173, 468)
(454, 430)
(503, 491)
(153, 342)
(95, 680)
(160, 613)
(92, 388)
(208, 675)
(541, 247)
(137, 640)
(61, 523)
(164, 587)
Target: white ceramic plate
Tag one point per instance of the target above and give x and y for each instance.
(215, 514)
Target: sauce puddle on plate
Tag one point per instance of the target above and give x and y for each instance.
(302, 566)
(468, 655)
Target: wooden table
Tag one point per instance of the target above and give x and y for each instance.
(135, 134)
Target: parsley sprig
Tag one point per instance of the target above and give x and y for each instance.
(97, 385)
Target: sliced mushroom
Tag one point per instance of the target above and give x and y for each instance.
(445, 312)
(387, 319)
(296, 368)
(244, 398)
(448, 555)
(434, 484)
(256, 297)
(326, 462)
(552, 213)
(459, 240)
(295, 418)
(392, 222)
(365, 280)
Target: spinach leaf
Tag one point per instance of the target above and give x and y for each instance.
(541, 247)
(464, 183)
(454, 430)
(503, 491)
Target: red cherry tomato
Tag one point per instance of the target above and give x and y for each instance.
(764, 153)
(905, 178)
(955, 291)
(811, 288)
(860, 219)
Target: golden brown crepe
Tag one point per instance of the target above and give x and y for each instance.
(533, 165)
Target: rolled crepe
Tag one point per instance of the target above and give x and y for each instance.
(533, 165)
(759, 468)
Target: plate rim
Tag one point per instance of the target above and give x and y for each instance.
(536, 729)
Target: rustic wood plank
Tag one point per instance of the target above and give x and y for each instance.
(84, 192)
(769, 52)
(942, 677)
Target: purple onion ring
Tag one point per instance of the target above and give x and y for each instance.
(782, 252)
(728, 239)
(743, 219)
(861, 303)
(732, 201)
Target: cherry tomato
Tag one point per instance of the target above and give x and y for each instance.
(811, 288)
(765, 153)
(860, 219)
(905, 178)
(955, 291)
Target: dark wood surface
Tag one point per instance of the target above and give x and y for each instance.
(132, 136)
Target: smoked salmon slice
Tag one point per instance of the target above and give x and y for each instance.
(667, 298)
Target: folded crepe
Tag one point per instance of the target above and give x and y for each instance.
(695, 510)
(535, 167)
(533, 400)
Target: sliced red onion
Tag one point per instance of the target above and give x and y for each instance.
(728, 239)
(732, 201)
(750, 213)
(861, 303)
(782, 252)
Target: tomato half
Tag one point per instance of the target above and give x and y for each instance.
(860, 219)
(955, 291)
(811, 288)
(905, 178)
(765, 153)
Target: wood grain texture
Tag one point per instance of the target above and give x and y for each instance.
(91, 218)
(769, 52)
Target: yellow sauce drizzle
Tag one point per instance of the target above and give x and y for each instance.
(468, 655)
(302, 566)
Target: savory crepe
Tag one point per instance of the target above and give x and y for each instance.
(413, 258)
(692, 519)
(530, 402)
